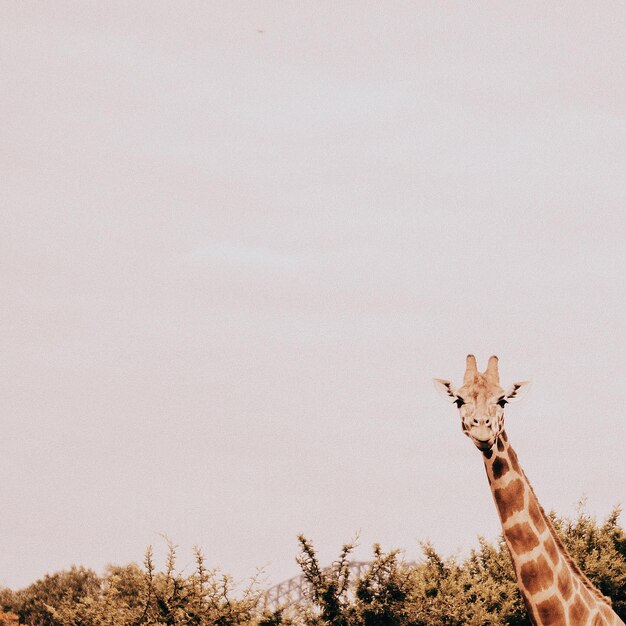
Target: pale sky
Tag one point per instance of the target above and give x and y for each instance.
(238, 239)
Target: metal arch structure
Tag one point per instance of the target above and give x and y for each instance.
(293, 591)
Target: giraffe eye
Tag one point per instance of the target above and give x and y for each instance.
(502, 401)
(459, 402)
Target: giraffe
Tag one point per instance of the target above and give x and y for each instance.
(554, 589)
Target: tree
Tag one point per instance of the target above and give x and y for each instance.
(35, 605)
(479, 590)
(8, 619)
(328, 588)
(383, 593)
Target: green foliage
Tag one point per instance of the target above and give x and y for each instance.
(383, 593)
(131, 596)
(328, 587)
(36, 605)
(479, 590)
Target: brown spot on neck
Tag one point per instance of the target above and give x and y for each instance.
(509, 499)
(564, 581)
(536, 515)
(499, 467)
(514, 461)
(551, 549)
(551, 612)
(578, 612)
(536, 575)
(521, 538)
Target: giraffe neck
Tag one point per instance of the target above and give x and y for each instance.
(554, 589)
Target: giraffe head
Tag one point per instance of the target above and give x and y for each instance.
(481, 401)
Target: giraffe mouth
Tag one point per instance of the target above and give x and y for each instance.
(483, 444)
(482, 437)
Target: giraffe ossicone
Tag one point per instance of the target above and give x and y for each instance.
(554, 589)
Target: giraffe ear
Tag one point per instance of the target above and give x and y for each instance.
(446, 389)
(516, 391)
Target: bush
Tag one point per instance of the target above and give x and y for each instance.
(479, 590)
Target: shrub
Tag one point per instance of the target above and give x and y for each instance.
(438, 591)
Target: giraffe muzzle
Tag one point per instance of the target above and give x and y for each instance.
(482, 436)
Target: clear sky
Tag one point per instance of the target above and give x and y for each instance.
(238, 239)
